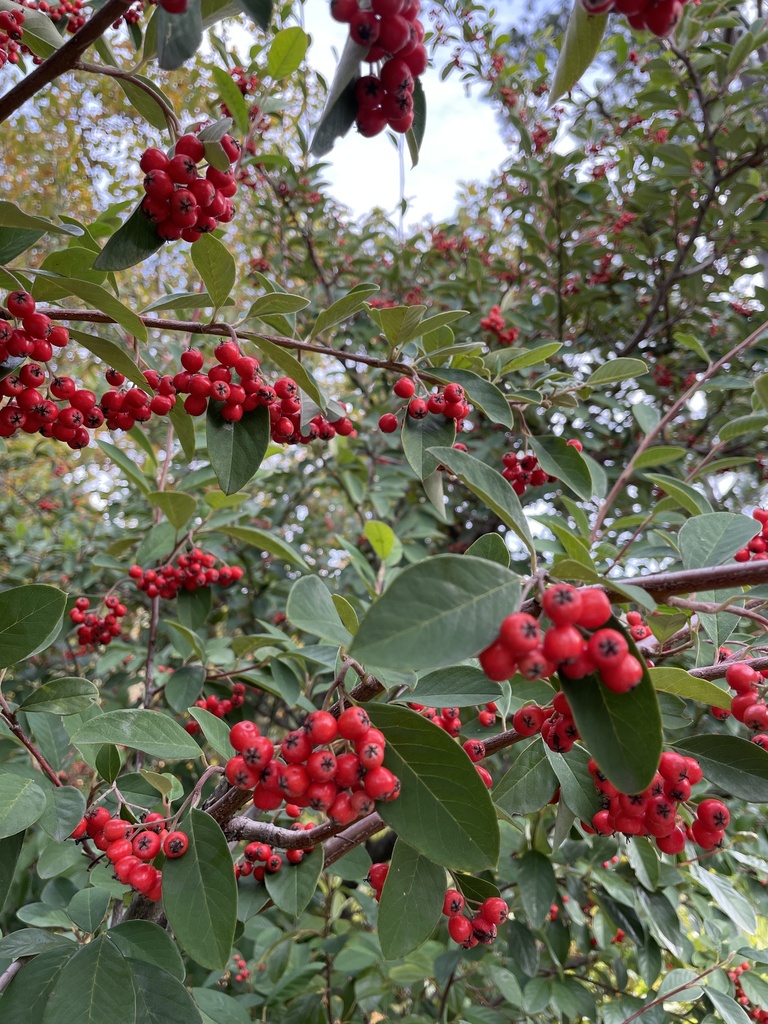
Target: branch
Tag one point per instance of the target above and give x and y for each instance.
(11, 971)
(712, 608)
(687, 581)
(351, 837)
(673, 992)
(11, 721)
(240, 828)
(63, 59)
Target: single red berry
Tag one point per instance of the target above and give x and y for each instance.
(175, 844)
(453, 903)
(459, 928)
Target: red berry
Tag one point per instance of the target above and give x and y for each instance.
(175, 844)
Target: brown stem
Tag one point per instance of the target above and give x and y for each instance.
(351, 837)
(712, 608)
(689, 581)
(63, 59)
(719, 670)
(673, 410)
(11, 721)
(673, 992)
(241, 827)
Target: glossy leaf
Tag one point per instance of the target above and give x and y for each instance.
(22, 802)
(26, 997)
(460, 686)
(67, 696)
(537, 886)
(490, 487)
(467, 599)
(215, 731)
(411, 901)
(560, 459)
(216, 265)
(236, 450)
(65, 806)
(135, 241)
(30, 942)
(489, 398)
(444, 810)
(343, 308)
(144, 940)
(200, 893)
(11, 216)
(151, 731)
(29, 620)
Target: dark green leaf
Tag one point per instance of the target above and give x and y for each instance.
(468, 598)
(40, 33)
(230, 94)
(200, 893)
(108, 762)
(112, 355)
(22, 802)
(267, 541)
(10, 848)
(220, 1008)
(160, 997)
(184, 428)
(537, 886)
(30, 941)
(583, 36)
(151, 731)
(293, 368)
(715, 538)
(343, 308)
(293, 887)
(420, 435)
(444, 810)
(236, 450)
(338, 118)
(216, 265)
(67, 696)
(734, 764)
(150, 101)
(88, 907)
(415, 134)
(576, 785)
(460, 686)
(492, 547)
(94, 986)
(184, 686)
(530, 782)
(30, 619)
(144, 940)
(14, 241)
(215, 731)
(491, 488)
(560, 459)
(178, 35)
(27, 996)
(728, 1009)
(12, 217)
(411, 902)
(686, 496)
(65, 806)
(614, 370)
(135, 241)
(489, 398)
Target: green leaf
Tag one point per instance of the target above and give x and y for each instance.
(728, 1009)
(220, 1008)
(287, 51)
(530, 357)
(491, 488)
(178, 35)
(127, 465)
(467, 599)
(733, 904)
(311, 608)
(576, 785)
(444, 810)
(30, 619)
(31, 941)
(236, 450)
(259, 10)
(108, 762)
(10, 214)
(94, 987)
(40, 33)
(112, 355)
(135, 241)
(569, 569)
(486, 396)
(381, 538)
(659, 455)
(399, 323)
(293, 368)
(339, 115)
(276, 302)
(415, 134)
(490, 546)
(583, 36)
(26, 997)
(347, 613)
(343, 308)
(185, 640)
(418, 436)
(459, 686)
(560, 459)
(734, 764)
(216, 265)
(160, 997)
(97, 298)
(184, 687)
(755, 989)
(184, 428)
(64, 808)
(266, 541)
(294, 885)
(144, 940)
(686, 496)
(67, 696)
(142, 97)
(743, 425)
(88, 907)
(10, 848)
(616, 370)
(761, 389)
(622, 731)
(683, 684)
(411, 902)
(230, 94)
(530, 782)
(537, 886)
(712, 539)
(15, 241)
(177, 506)
(200, 893)
(644, 861)
(214, 730)
(22, 802)
(151, 731)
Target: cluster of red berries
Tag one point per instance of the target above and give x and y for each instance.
(261, 858)
(216, 706)
(480, 927)
(11, 33)
(657, 16)
(281, 398)
(757, 549)
(654, 811)
(130, 847)
(748, 706)
(93, 628)
(122, 408)
(447, 719)
(638, 628)
(555, 723)
(190, 572)
(451, 403)
(520, 646)
(241, 966)
(523, 471)
(754, 1012)
(495, 323)
(391, 32)
(181, 202)
(342, 785)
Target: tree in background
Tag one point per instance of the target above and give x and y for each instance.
(382, 629)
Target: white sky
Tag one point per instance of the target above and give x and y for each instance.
(461, 142)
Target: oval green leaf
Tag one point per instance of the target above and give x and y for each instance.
(29, 620)
(151, 731)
